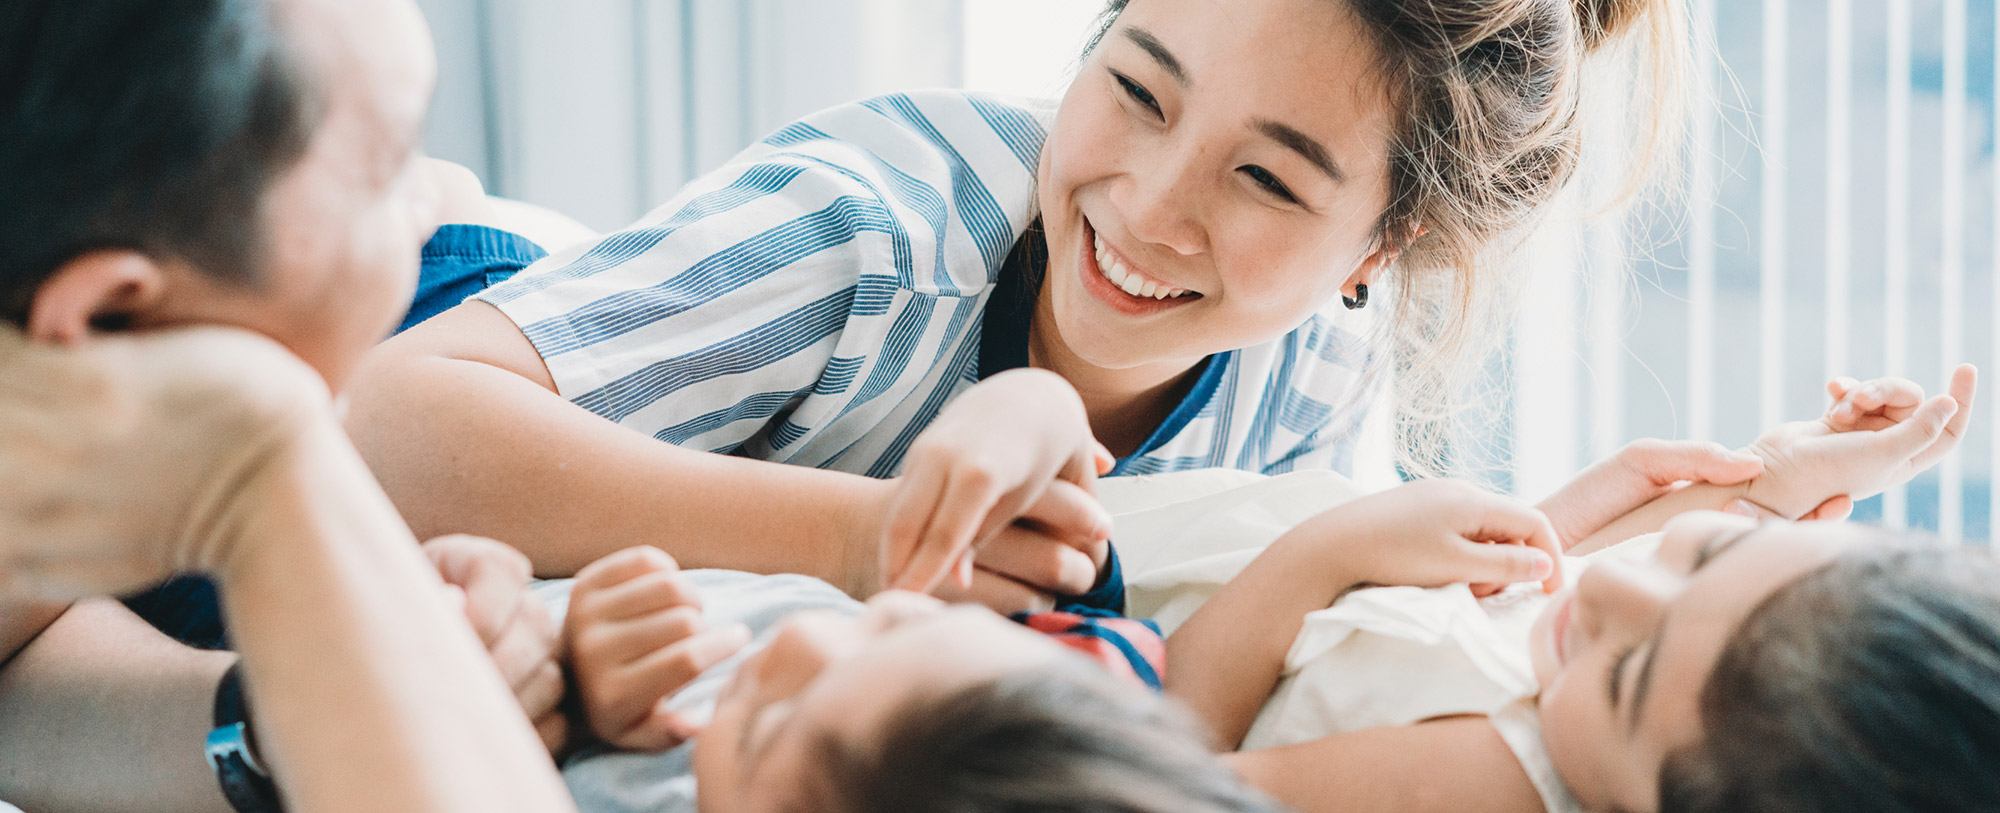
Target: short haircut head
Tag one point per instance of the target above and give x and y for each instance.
(1066, 739)
(155, 126)
(1872, 684)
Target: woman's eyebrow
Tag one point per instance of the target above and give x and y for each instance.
(1300, 143)
(1152, 46)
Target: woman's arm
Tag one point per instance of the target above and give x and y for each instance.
(1230, 654)
(1442, 766)
(460, 420)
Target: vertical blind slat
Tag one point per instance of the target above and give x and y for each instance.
(1896, 274)
(1771, 299)
(1839, 180)
(1701, 232)
(1952, 275)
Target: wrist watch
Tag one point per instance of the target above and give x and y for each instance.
(232, 751)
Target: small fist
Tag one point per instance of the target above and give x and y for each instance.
(636, 636)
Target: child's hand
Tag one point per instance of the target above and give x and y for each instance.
(636, 636)
(489, 581)
(1005, 471)
(1876, 436)
(1438, 532)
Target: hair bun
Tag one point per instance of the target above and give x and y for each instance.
(1603, 21)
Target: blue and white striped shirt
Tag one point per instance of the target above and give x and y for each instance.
(821, 297)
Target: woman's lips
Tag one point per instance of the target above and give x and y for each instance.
(1107, 277)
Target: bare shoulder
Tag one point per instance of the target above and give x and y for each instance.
(474, 331)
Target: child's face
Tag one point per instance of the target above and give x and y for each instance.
(832, 678)
(1622, 657)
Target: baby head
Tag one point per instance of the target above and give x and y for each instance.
(916, 706)
(1811, 666)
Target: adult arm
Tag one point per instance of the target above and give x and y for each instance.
(1441, 766)
(431, 408)
(370, 691)
(103, 713)
(214, 451)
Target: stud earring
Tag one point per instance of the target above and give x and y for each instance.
(1358, 301)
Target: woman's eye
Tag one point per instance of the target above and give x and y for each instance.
(1138, 93)
(1264, 178)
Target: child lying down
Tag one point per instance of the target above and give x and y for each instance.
(901, 703)
(1721, 665)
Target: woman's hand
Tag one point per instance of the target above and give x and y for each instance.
(1438, 532)
(1876, 436)
(1641, 472)
(636, 636)
(1003, 476)
(130, 458)
(489, 581)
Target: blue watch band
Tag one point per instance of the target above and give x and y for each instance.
(232, 751)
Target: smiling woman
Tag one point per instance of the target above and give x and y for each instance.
(1168, 239)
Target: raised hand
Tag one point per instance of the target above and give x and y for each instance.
(1876, 436)
(1437, 532)
(636, 636)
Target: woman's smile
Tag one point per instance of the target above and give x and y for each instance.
(1113, 280)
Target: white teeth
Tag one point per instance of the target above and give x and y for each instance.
(1114, 270)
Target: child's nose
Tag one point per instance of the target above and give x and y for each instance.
(1625, 594)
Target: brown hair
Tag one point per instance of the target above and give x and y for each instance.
(1489, 94)
(1872, 684)
(1067, 739)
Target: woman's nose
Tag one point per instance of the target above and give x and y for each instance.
(1163, 205)
(1616, 593)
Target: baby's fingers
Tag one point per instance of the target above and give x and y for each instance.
(1917, 437)
(624, 566)
(1964, 385)
(644, 594)
(662, 728)
(671, 669)
(1500, 563)
(1504, 520)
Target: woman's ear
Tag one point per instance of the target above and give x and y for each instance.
(1371, 267)
(102, 287)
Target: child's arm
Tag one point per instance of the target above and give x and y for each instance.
(1226, 659)
(1449, 765)
(635, 636)
(1875, 436)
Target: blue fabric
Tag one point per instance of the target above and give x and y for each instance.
(459, 261)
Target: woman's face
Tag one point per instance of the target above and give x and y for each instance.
(1622, 657)
(827, 677)
(1214, 177)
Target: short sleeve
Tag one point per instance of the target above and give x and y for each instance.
(828, 274)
